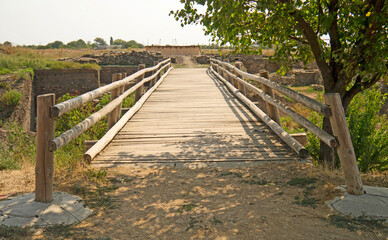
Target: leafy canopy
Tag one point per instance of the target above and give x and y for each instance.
(346, 38)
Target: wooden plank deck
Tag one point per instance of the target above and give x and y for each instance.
(193, 118)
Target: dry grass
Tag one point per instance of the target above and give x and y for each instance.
(270, 201)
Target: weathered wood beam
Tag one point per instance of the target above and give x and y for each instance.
(271, 109)
(81, 127)
(76, 102)
(44, 169)
(107, 138)
(290, 141)
(139, 91)
(345, 149)
(324, 136)
(309, 102)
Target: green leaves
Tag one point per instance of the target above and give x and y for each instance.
(356, 28)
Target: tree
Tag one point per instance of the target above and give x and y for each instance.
(111, 41)
(77, 44)
(353, 58)
(99, 41)
(7, 43)
(56, 44)
(119, 42)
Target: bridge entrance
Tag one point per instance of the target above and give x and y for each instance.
(193, 118)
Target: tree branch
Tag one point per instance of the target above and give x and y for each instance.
(358, 86)
(312, 39)
(301, 40)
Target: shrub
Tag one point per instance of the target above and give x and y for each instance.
(68, 156)
(4, 85)
(313, 142)
(11, 98)
(20, 147)
(25, 73)
(4, 71)
(369, 130)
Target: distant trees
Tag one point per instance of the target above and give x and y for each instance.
(7, 43)
(99, 41)
(119, 42)
(79, 44)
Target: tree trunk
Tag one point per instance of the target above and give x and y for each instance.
(327, 156)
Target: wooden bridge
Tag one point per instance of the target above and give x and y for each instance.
(192, 117)
(186, 116)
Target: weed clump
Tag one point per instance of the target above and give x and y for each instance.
(11, 98)
(369, 130)
(20, 147)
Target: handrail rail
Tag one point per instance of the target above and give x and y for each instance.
(308, 102)
(81, 127)
(324, 136)
(66, 106)
(47, 112)
(100, 145)
(340, 140)
(296, 146)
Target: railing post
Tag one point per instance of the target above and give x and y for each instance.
(139, 91)
(112, 116)
(44, 168)
(345, 149)
(122, 88)
(153, 82)
(271, 109)
(240, 86)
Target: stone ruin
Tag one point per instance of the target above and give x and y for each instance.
(300, 75)
(119, 58)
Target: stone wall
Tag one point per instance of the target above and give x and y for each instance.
(132, 58)
(300, 75)
(118, 58)
(62, 81)
(175, 50)
(107, 71)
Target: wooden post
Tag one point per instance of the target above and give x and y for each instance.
(139, 91)
(112, 116)
(240, 86)
(271, 109)
(122, 88)
(44, 169)
(153, 81)
(345, 149)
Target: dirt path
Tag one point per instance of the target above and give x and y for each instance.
(187, 61)
(270, 201)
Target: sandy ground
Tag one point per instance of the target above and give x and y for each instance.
(270, 201)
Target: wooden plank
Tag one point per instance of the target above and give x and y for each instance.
(113, 116)
(271, 109)
(139, 91)
(309, 102)
(345, 149)
(76, 102)
(296, 146)
(93, 151)
(180, 160)
(193, 118)
(44, 169)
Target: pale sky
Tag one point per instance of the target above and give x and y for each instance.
(26, 22)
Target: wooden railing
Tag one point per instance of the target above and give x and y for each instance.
(47, 111)
(234, 77)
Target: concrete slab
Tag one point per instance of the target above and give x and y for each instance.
(23, 211)
(373, 204)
